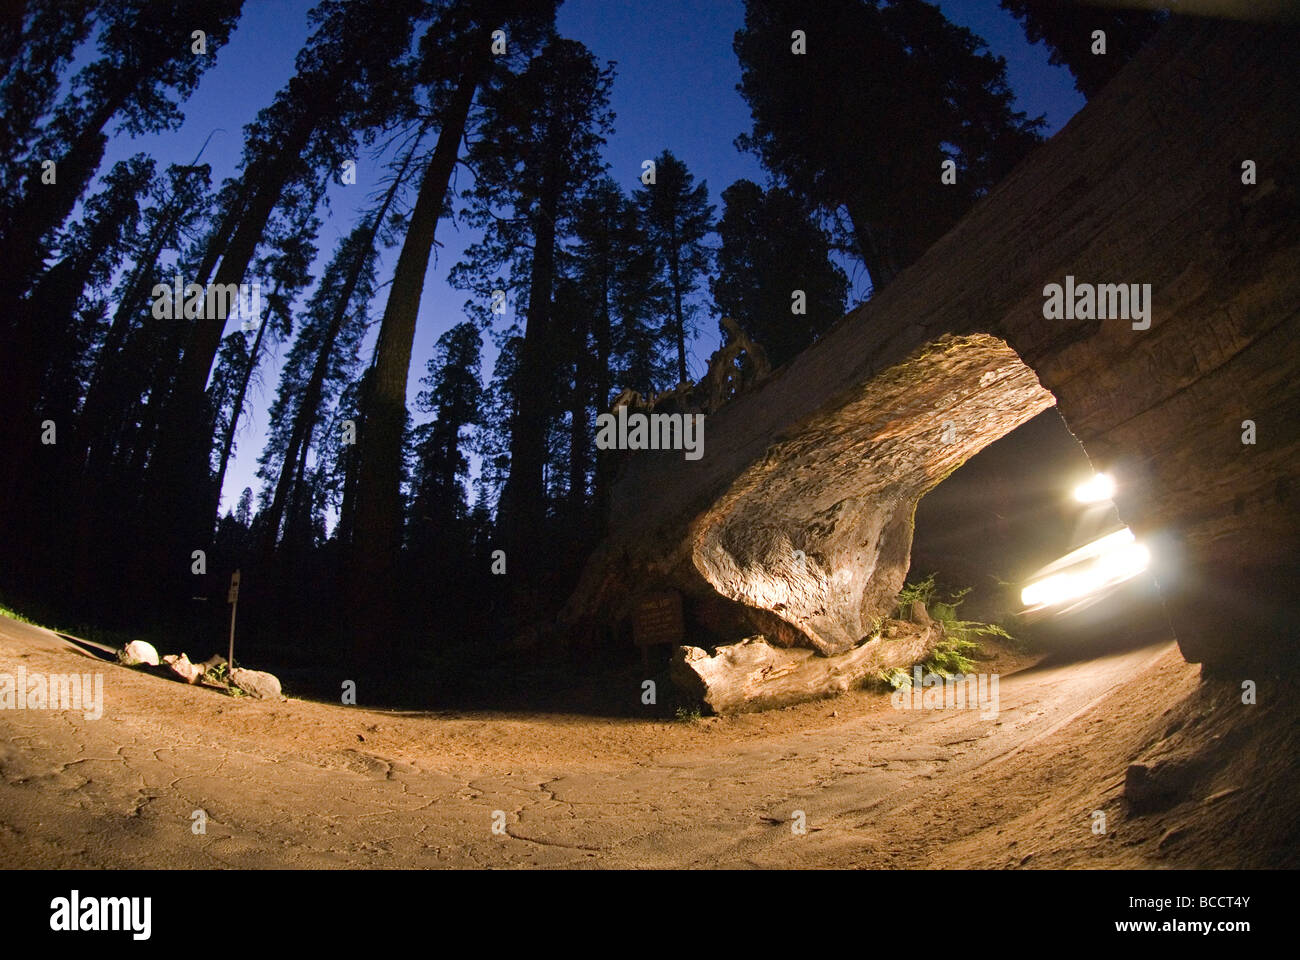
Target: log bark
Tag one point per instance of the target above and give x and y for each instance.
(810, 541)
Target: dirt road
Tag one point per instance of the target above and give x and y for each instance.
(305, 784)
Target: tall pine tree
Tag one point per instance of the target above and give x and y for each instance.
(775, 274)
(453, 75)
(537, 147)
(858, 113)
(677, 216)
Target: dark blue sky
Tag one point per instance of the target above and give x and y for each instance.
(675, 89)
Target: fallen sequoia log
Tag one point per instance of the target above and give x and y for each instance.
(796, 522)
(755, 675)
(810, 543)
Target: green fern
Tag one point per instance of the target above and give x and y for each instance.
(895, 678)
(961, 638)
(922, 590)
(217, 674)
(949, 657)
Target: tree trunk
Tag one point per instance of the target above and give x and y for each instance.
(177, 476)
(602, 335)
(186, 398)
(874, 250)
(522, 510)
(45, 207)
(309, 409)
(228, 440)
(377, 531)
(755, 675)
(94, 414)
(579, 423)
(298, 509)
(679, 319)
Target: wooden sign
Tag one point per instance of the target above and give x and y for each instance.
(233, 595)
(658, 619)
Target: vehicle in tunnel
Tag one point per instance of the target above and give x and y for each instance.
(1084, 576)
(1032, 528)
(1104, 585)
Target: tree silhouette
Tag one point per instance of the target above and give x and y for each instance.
(677, 217)
(619, 293)
(775, 276)
(862, 121)
(455, 397)
(51, 340)
(35, 46)
(535, 149)
(1067, 29)
(464, 64)
(336, 99)
(146, 65)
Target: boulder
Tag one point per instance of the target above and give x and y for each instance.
(137, 653)
(182, 668)
(256, 683)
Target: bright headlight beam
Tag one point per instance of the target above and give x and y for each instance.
(1100, 487)
(1112, 559)
(1046, 593)
(1128, 561)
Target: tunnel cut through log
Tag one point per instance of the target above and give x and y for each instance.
(824, 546)
(1144, 185)
(810, 543)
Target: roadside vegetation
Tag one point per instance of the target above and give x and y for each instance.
(962, 640)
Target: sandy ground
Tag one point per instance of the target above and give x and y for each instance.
(306, 784)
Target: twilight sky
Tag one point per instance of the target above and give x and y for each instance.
(675, 88)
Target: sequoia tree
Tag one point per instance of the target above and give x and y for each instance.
(858, 105)
(775, 275)
(453, 73)
(536, 148)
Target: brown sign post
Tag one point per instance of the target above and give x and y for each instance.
(232, 598)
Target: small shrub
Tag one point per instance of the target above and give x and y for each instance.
(218, 674)
(895, 678)
(961, 638)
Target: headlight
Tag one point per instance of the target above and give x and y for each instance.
(1100, 487)
(1103, 563)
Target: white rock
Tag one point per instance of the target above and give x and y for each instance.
(138, 652)
(256, 683)
(181, 666)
